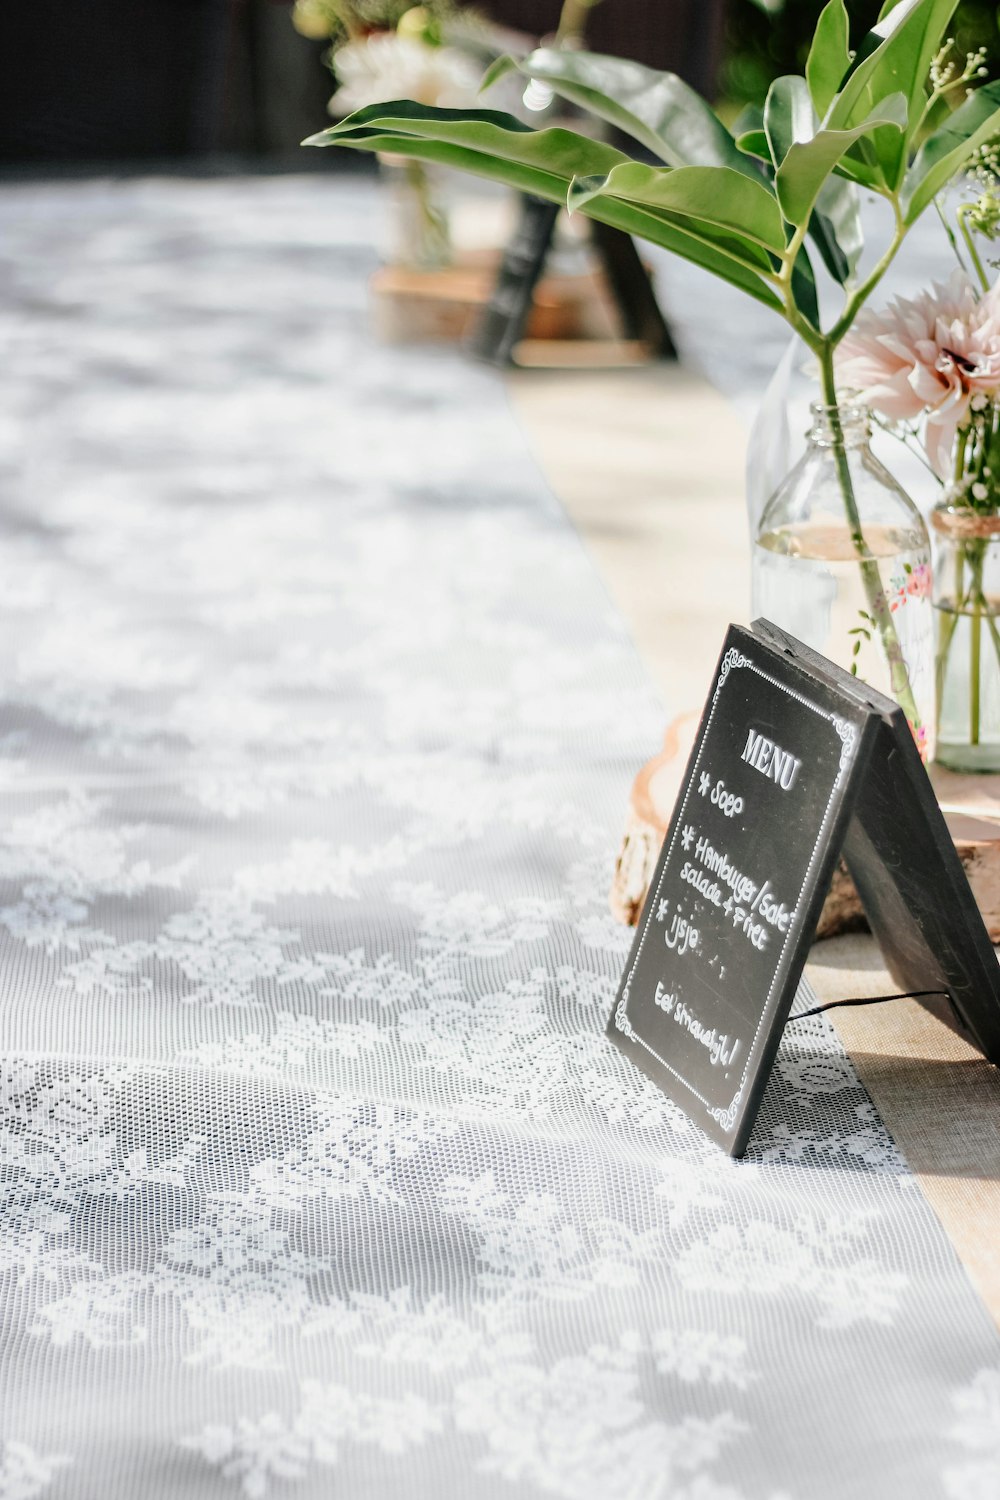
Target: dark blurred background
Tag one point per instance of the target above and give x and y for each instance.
(104, 80)
(137, 81)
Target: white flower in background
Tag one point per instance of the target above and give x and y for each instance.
(387, 66)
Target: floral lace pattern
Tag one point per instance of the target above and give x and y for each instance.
(24, 1474)
(317, 1171)
(977, 1431)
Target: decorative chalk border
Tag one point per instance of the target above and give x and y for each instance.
(847, 733)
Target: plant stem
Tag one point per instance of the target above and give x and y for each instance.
(871, 578)
(861, 293)
(949, 232)
(992, 626)
(572, 27)
(433, 249)
(948, 625)
(974, 649)
(973, 252)
(960, 447)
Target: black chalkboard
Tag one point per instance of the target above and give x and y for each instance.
(503, 323)
(794, 762)
(502, 326)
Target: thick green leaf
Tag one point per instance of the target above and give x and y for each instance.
(714, 196)
(944, 153)
(824, 237)
(754, 143)
(808, 164)
(509, 153)
(788, 115)
(657, 109)
(829, 56)
(894, 58)
(835, 227)
(750, 117)
(860, 164)
(804, 288)
(555, 152)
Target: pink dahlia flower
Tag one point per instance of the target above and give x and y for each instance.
(926, 356)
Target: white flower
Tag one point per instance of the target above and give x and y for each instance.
(386, 66)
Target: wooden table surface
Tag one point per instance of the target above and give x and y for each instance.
(649, 464)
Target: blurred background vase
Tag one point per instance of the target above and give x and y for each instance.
(418, 214)
(860, 595)
(967, 601)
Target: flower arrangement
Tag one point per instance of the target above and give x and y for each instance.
(386, 49)
(350, 20)
(929, 366)
(763, 211)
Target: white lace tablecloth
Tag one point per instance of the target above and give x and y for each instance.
(317, 1174)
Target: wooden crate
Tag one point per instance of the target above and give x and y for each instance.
(572, 323)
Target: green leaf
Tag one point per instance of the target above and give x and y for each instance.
(723, 209)
(788, 115)
(754, 143)
(943, 154)
(835, 224)
(657, 109)
(835, 228)
(808, 164)
(829, 56)
(804, 288)
(895, 57)
(542, 162)
(716, 197)
(556, 152)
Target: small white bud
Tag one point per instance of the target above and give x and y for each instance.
(980, 492)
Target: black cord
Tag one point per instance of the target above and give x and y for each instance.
(869, 1000)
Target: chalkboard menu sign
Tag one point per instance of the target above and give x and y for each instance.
(503, 324)
(793, 762)
(523, 262)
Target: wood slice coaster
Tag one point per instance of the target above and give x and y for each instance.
(971, 806)
(572, 323)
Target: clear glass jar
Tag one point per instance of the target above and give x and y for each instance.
(967, 601)
(841, 559)
(419, 213)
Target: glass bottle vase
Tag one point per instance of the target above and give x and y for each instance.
(841, 559)
(967, 604)
(419, 218)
